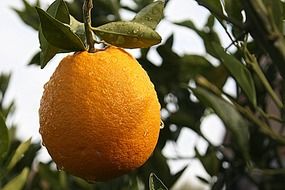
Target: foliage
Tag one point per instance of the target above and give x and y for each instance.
(252, 153)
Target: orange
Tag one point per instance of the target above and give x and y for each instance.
(99, 114)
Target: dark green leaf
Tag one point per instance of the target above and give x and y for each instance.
(36, 59)
(4, 82)
(19, 153)
(229, 115)
(58, 10)
(155, 183)
(214, 5)
(203, 180)
(4, 137)
(18, 182)
(210, 161)
(210, 22)
(239, 72)
(128, 34)
(58, 34)
(29, 14)
(150, 15)
(188, 24)
(193, 65)
(233, 9)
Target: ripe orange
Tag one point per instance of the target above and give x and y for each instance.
(99, 114)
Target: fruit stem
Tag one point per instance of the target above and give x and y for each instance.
(87, 7)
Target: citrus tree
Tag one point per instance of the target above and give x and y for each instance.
(252, 153)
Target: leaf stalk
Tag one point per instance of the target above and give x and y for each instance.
(87, 7)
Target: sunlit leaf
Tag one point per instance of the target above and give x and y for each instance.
(128, 34)
(155, 183)
(58, 34)
(151, 14)
(232, 119)
(239, 72)
(4, 137)
(19, 153)
(78, 28)
(18, 182)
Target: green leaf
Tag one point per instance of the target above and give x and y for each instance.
(4, 82)
(214, 6)
(276, 11)
(150, 15)
(36, 59)
(128, 34)
(19, 153)
(210, 161)
(4, 138)
(233, 9)
(18, 182)
(29, 14)
(155, 183)
(239, 72)
(77, 28)
(59, 34)
(58, 10)
(229, 115)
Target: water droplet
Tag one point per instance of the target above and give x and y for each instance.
(161, 124)
(135, 31)
(145, 132)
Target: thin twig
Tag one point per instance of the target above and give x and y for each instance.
(87, 7)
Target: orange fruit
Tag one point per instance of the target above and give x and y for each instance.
(99, 114)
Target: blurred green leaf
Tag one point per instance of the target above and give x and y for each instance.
(18, 182)
(128, 34)
(233, 9)
(58, 34)
(19, 153)
(229, 115)
(29, 14)
(150, 15)
(276, 12)
(4, 138)
(35, 59)
(155, 183)
(4, 82)
(209, 160)
(239, 72)
(52, 176)
(212, 5)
